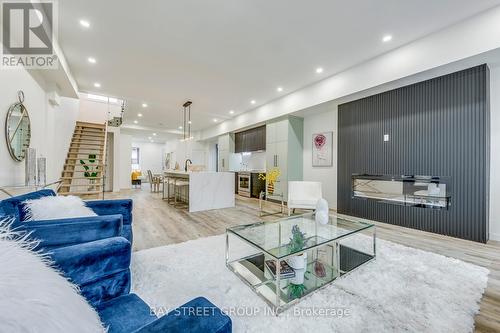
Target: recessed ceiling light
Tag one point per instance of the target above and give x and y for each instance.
(189, 122)
(387, 38)
(139, 115)
(144, 105)
(279, 89)
(136, 122)
(180, 127)
(319, 70)
(154, 134)
(215, 120)
(231, 112)
(92, 60)
(97, 85)
(85, 23)
(253, 101)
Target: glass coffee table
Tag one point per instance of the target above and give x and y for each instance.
(308, 255)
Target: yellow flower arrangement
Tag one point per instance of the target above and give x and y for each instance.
(271, 177)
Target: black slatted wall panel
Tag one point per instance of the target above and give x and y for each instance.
(438, 127)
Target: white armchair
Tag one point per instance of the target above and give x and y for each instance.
(303, 195)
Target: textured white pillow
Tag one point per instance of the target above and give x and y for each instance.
(34, 297)
(56, 207)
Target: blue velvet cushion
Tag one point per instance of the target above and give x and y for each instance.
(88, 262)
(14, 206)
(65, 232)
(125, 314)
(110, 207)
(196, 316)
(100, 268)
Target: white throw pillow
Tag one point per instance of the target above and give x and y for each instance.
(56, 207)
(34, 297)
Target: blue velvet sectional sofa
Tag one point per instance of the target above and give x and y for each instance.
(95, 253)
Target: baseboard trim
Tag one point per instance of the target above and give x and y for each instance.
(494, 236)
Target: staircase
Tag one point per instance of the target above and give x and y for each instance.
(83, 173)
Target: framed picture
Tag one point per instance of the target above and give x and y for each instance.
(322, 149)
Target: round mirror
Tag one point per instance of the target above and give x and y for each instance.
(18, 130)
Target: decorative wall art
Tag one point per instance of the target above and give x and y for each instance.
(322, 149)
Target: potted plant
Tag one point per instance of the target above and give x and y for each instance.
(90, 172)
(298, 262)
(271, 177)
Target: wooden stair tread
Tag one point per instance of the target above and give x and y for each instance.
(70, 178)
(87, 140)
(81, 165)
(77, 135)
(82, 158)
(80, 185)
(80, 193)
(87, 124)
(88, 143)
(87, 154)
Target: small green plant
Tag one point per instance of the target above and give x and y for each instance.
(90, 171)
(298, 240)
(296, 290)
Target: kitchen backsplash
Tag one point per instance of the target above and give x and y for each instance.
(247, 161)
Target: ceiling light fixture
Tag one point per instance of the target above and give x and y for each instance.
(92, 60)
(180, 127)
(144, 105)
(279, 89)
(231, 112)
(187, 119)
(139, 115)
(215, 120)
(97, 85)
(253, 101)
(154, 134)
(319, 70)
(387, 38)
(136, 122)
(85, 23)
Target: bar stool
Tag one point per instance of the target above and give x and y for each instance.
(168, 182)
(179, 186)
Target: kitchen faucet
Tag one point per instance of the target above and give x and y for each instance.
(186, 164)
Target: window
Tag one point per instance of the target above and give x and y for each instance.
(135, 158)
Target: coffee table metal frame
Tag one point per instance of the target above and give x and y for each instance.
(334, 244)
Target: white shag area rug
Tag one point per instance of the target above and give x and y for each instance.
(403, 290)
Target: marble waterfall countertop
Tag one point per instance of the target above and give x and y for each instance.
(207, 189)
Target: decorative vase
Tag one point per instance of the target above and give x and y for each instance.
(270, 188)
(299, 276)
(298, 262)
(322, 217)
(322, 212)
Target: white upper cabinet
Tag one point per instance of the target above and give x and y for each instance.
(284, 150)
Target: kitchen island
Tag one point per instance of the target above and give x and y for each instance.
(207, 190)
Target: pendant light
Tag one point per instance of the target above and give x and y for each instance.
(187, 119)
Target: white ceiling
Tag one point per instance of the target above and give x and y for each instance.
(223, 53)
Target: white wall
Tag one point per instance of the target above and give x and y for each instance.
(494, 153)
(94, 111)
(197, 151)
(465, 39)
(324, 121)
(51, 126)
(150, 156)
(125, 161)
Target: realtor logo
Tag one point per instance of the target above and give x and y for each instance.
(28, 35)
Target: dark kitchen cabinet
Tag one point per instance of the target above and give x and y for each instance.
(251, 140)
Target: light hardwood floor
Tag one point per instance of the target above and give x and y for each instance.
(156, 224)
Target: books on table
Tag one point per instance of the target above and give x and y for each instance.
(286, 271)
